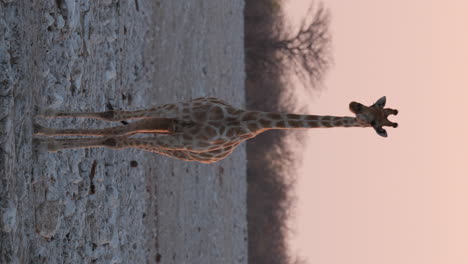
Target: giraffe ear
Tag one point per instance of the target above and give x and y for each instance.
(381, 102)
(381, 132)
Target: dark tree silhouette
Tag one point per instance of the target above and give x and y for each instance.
(274, 51)
(304, 53)
(307, 53)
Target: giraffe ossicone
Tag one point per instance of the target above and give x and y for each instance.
(205, 129)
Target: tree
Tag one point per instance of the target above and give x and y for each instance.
(274, 51)
(305, 53)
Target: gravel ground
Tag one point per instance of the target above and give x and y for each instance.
(128, 206)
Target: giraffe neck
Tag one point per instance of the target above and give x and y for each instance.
(291, 121)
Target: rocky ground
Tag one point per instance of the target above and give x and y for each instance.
(106, 206)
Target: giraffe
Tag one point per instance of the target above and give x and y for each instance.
(204, 129)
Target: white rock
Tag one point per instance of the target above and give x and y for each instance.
(57, 101)
(116, 259)
(77, 180)
(49, 20)
(45, 72)
(114, 243)
(76, 78)
(70, 207)
(60, 22)
(106, 2)
(73, 13)
(48, 218)
(9, 218)
(111, 74)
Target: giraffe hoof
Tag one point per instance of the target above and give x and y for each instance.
(40, 130)
(38, 146)
(396, 112)
(44, 146)
(37, 129)
(53, 147)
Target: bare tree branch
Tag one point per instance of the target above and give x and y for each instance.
(307, 53)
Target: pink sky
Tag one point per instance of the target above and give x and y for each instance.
(402, 199)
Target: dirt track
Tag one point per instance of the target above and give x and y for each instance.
(104, 206)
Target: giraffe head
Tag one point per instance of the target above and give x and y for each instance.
(375, 115)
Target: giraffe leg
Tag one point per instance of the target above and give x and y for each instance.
(169, 110)
(53, 145)
(172, 142)
(111, 115)
(152, 125)
(169, 142)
